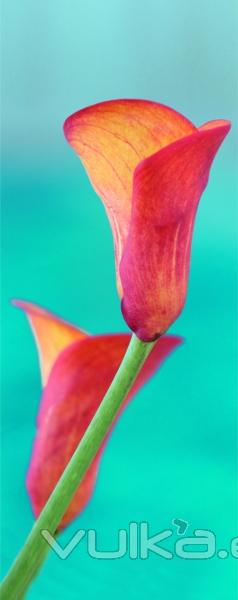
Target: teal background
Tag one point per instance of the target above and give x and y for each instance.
(173, 452)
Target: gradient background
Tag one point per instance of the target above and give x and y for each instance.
(173, 451)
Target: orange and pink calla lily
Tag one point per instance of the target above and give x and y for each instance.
(150, 166)
(77, 369)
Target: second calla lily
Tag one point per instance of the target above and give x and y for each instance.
(150, 165)
(77, 370)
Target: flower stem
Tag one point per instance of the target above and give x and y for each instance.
(33, 553)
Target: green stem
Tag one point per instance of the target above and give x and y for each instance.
(33, 553)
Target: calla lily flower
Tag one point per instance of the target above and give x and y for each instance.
(150, 165)
(77, 369)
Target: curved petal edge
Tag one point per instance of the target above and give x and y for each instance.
(155, 265)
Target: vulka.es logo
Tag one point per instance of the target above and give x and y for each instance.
(137, 542)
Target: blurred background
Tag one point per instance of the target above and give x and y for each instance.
(172, 455)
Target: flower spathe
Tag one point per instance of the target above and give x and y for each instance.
(150, 165)
(77, 370)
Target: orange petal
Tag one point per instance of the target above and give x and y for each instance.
(51, 333)
(111, 138)
(155, 265)
(77, 384)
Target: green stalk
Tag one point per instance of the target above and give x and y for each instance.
(33, 553)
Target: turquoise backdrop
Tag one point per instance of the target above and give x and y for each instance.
(172, 455)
